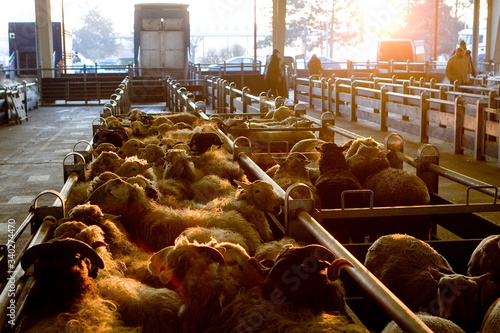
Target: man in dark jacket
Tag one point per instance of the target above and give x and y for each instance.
(274, 74)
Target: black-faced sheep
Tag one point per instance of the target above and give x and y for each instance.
(292, 298)
(153, 309)
(65, 297)
(116, 136)
(392, 187)
(201, 142)
(423, 279)
(336, 177)
(157, 226)
(308, 276)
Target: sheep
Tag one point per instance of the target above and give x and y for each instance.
(486, 259)
(65, 297)
(267, 252)
(491, 321)
(279, 114)
(250, 312)
(131, 147)
(201, 142)
(352, 145)
(178, 166)
(392, 187)
(260, 140)
(131, 259)
(106, 161)
(105, 146)
(157, 226)
(153, 154)
(295, 297)
(298, 275)
(220, 162)
(116, 136)
(205, 235)
(335, 177)
(423, 279)
(436, 324)
(206, 277)
(210, 187)
(133, 166)
(293, 170)
(308, 146)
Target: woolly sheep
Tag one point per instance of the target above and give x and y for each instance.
(299, 275)
(436, 324)
(336, 177)
(133, 166)
(392, 187)
(486, 259)
(293, 170)
(131, 147)
(205, 235)
(105, 146)
(267, 252)
(210, 187)
(220, 162)
(158, 226)
(308, 146)
(65, 297)
(106, 161)
(206, 277)
(252, 202)
(491, 321)
(178, 165)
(251, 312)
(153, 154)
(279, 114)
(423, 279)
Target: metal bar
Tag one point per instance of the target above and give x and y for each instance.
(396, 309)
(462, 179)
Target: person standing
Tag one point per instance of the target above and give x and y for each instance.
(468, 55)
(458, 67)
(274, 74)
(314, 66)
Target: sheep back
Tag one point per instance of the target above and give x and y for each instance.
(436, 324)
(402, 263)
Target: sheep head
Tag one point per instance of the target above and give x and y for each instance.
(130, 148)
(458, 298)
(133, 166)
(299, 276)
(261, 194)
(367, 160)
(62, 255)
(486, 258)
(116, 196)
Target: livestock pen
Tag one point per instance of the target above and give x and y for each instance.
(299, 212)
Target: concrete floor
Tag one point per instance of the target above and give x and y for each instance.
(32, 154)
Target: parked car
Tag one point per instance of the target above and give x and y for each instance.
(236, 63)
(327, 63)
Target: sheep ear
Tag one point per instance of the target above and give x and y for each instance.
(244, 186)
(122, 192)
(482, 279)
